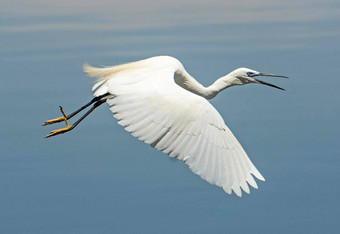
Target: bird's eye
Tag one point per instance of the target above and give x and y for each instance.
(250, 74)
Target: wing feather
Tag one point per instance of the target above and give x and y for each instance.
(153, 108)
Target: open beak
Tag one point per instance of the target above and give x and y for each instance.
(268, 84)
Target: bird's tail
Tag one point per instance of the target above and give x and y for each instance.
(100, 73)
(106, 73)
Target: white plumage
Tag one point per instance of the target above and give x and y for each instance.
(150, 105)
(158, 102)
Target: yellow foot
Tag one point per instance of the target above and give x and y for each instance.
(56, 120)
(59, 131)
(60, 119)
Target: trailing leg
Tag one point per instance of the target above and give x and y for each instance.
(68, 127)
(66, 117)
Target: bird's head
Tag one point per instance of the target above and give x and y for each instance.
(243, 76)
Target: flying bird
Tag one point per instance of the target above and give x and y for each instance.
(157, 101)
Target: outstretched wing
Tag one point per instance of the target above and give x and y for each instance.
(153, 108)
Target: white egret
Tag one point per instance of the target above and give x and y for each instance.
(158, 102)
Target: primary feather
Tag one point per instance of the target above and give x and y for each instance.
(158, 102)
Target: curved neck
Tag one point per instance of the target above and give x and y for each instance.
(187, 82)
(219, 85)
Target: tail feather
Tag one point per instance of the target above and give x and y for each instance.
(101, 73)
(106, 73)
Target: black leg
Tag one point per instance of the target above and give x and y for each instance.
(66, 117)
(94, 100)
(97, 102)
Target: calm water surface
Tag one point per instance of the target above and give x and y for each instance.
(98, 179)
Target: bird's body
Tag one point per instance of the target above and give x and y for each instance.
(158, 102)
(150, 71)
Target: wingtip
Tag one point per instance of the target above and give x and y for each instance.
(260, 177)
(257, 174)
